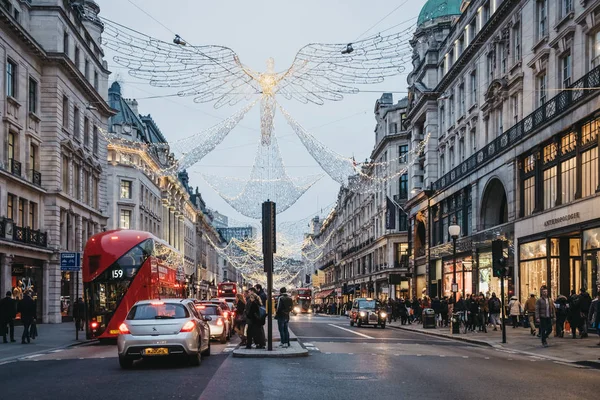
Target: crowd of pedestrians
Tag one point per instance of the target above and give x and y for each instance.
(251, 315)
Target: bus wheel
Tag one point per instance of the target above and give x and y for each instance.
(125, 362)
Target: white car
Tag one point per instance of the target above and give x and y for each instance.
(219, 323)
(163, 328)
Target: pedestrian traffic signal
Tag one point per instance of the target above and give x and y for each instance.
(498, 260)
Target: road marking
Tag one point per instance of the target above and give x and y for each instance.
(6, 362)
(465, 356)
(32, 356)
(351, 354)
(487, 358)
(308, 344)
(56, 351)
(351, 331)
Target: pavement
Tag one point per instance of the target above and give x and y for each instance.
(519, 340)
(344, 362)
(295, 349)
(50, 337)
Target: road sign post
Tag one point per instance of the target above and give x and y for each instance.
(71, 261)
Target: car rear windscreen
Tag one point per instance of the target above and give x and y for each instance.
(208, 309)
(158, 311)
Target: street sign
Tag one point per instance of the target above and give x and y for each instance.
(70, 261)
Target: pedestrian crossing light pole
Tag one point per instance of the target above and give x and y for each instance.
(269, 248)
(500, 270)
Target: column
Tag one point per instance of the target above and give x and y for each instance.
(5, 273)
(51, 292)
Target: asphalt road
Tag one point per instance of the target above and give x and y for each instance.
(344, 363)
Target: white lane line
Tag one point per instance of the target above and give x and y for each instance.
(6, 362)
(309, 344)
(32, 356)
(351, 331)
(56, 351)
(465, 356)
(487, 358)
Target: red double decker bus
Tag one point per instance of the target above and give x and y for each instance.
(121, 267)
(302, 300)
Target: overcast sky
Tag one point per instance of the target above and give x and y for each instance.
(256, 30)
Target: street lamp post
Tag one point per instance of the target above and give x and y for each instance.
(454, 231)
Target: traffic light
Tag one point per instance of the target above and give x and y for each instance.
(498, 260)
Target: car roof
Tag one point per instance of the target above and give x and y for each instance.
(169, 301)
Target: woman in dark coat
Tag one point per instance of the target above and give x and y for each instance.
(240, 317)
(254, 322)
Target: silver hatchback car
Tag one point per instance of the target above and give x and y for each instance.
(161, 328)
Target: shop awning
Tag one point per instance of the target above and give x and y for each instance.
(323, 294)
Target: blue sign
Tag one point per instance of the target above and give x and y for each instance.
(70, 261)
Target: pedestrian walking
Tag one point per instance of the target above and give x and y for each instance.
(585, 301)
(514, 310)
(574, 316)
(544, 312)
(495, 307)
(8, 312)
(444, 310)
(79, 313)
(240, 318)
(530, 312)
(562, 311)
(27, 309)
(594, 315)
(282, 315)
(254, 322)
(483, 313)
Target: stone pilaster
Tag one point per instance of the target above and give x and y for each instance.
(51, 294)
(5, 273)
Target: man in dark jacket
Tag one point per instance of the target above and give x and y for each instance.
(495, 306)
(78, 313)
(282, 315)
(585, 301)
(261, 293)
(27, 310)
(574, 316)
(263, 298)
(8, 311)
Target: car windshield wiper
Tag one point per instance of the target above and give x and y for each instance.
(164, 317)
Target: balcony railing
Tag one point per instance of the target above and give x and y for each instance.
(552, 109)
(14, 167)
(9, 230)
(35, 177)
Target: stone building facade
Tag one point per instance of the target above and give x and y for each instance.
(507, 90)
(365, 236)
(53, 103)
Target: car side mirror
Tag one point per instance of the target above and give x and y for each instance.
(207, 319)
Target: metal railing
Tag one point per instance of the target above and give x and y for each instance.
(9, 230)
(551, 109)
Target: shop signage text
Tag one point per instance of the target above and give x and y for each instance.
(564, 218)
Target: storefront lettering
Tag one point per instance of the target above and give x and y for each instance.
(564, 218)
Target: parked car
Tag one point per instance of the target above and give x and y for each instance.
(367, 311)
(163, 328)
(220, 327)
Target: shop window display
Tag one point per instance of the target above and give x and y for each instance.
(464, 276)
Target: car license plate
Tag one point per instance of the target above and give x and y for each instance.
(160, 351)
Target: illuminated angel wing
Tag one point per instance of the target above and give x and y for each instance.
(327, 71)
(209, 73)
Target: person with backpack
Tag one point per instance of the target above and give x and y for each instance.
(282, 315)
(495, 307)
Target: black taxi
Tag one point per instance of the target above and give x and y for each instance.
(367, 311)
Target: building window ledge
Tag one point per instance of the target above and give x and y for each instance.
(562, 22)
(540, 43)
(12, 101)
(34, 117)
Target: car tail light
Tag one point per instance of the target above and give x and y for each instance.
(225, 314)
(188, 326)
(94, 324)
(124, 329)
(220, 321)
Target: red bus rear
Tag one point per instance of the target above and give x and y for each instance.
(121, 267)
(227, 290)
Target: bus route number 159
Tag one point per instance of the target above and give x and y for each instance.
(117, 273)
